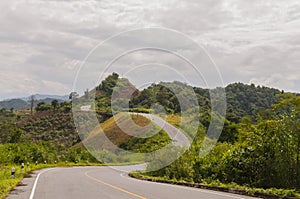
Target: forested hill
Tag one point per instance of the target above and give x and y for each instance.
(25, 103)
(242, 99)
(46, 122)
(16, 104)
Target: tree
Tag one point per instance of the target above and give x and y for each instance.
(73, 95)
(42, 106)
(66, 106)
(54, 104)
(86, 94)
(289, 119)
(109, 83)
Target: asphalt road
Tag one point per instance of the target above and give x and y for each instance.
(178, 138)
(106, 183)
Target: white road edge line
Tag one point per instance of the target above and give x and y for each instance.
(36, 181)
(187, 188)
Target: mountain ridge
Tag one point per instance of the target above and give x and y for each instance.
(24, 102)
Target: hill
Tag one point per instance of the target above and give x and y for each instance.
(56, 125)
(110, 129)
(16, 104)
(24, 103)
(242, 99)
(45, 96)
(249, 100)
(112, 91)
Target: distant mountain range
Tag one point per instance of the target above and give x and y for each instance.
(42, 97)
(24, 102)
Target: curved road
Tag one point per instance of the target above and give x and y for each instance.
(107, 183)
(178, 138)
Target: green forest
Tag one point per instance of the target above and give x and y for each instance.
(259, 146)
(264, 152)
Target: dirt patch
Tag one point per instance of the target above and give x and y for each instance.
(28, 175)
(21, 184)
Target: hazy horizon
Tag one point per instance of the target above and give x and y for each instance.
(81, 92)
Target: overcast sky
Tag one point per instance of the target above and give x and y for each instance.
(43, 42)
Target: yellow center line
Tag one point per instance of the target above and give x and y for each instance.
(112, 186)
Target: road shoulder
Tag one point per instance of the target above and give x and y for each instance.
(23, 190)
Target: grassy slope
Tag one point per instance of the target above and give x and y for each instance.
(112, 131)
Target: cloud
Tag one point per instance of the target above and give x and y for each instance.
(46, 41)
(280, 81)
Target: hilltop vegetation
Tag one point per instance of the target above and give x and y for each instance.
(249, 100)
(242, 100)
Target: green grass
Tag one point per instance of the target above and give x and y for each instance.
(250, 190)
(7, 183)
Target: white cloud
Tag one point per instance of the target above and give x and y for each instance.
(280, 81)
(47, 40)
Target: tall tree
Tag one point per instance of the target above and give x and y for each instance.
(54, 104)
